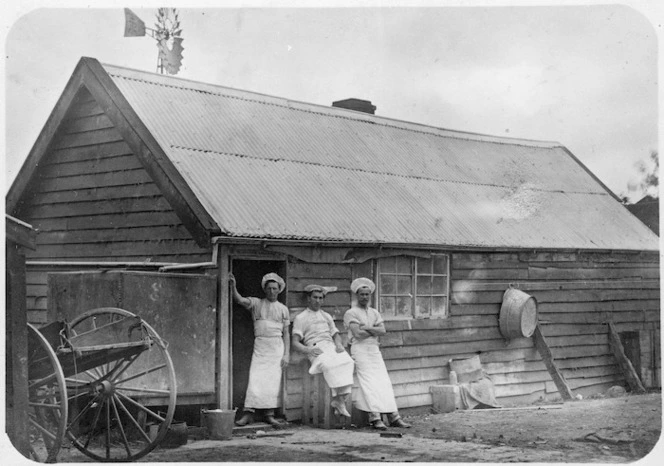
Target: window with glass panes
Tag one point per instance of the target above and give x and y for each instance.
(410, 286)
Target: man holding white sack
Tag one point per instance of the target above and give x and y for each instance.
(316, 335)
(271, 348)
(365, 324)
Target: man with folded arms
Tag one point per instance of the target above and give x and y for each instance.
(365, 325)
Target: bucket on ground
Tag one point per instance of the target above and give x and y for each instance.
(518, 314)
(219, 423)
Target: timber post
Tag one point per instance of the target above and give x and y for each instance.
(625, 364)
(223, 359)
(547, 357)
(20, 236)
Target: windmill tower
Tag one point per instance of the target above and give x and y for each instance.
(167, 33)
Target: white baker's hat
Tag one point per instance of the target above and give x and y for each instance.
(313, 287)
(273, 277)
(362, 282)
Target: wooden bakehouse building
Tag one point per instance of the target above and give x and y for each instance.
(162, 176)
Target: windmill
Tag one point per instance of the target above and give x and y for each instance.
(167, 34)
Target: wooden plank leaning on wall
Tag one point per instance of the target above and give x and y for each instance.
(625, 364)
(547, 357)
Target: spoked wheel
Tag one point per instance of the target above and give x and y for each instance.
(47, 399)
(122, 403)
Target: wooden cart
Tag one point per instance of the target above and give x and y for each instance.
(104, 381)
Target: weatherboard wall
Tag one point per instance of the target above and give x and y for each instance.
(577, 294)
(92, 200)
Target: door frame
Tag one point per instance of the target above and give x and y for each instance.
(281, 269)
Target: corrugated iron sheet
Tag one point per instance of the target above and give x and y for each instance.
(274, 168)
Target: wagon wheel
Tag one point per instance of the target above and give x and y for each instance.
(120, 409)
(47, 398)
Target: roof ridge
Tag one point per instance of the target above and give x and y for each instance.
(376, 172)
(434, 130)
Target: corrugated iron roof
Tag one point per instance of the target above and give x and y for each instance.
(274, 168)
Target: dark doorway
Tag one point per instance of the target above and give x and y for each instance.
(248, 275)
(632, 347)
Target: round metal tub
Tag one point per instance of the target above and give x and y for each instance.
(518, 314)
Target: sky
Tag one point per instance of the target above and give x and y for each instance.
(582, 74)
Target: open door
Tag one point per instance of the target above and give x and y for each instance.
(248, 275)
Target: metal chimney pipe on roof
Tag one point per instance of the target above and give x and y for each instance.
(358, 105)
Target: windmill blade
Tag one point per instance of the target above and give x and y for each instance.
(171, 59)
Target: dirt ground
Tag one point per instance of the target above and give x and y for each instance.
(608, 430)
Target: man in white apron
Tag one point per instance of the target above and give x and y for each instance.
(271, 349)
(316, 335)
(365, 324)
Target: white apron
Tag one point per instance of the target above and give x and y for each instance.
(265, 371)
(337, 368)
(374, 393)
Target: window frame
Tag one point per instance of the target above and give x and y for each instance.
(414, 314)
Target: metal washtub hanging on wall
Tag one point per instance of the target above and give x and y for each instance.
(518, 314)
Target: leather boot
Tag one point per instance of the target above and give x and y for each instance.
(400, 423)
(396, 421)
(378, 424)
(247, 418)
(270, 419)
(339, 407)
